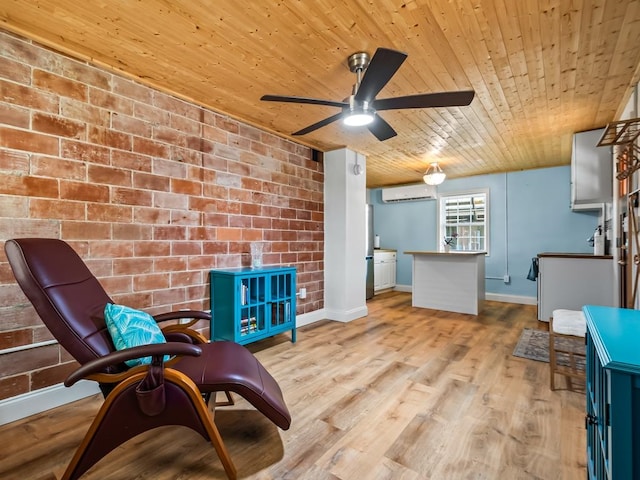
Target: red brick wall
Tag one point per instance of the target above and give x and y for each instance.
(152, 191)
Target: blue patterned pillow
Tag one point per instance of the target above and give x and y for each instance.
(131, 328)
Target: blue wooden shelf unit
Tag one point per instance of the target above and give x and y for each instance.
(249, 304)
(613, 393)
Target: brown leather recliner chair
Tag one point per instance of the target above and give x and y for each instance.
(70, 301)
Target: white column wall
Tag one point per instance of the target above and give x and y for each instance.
(344, 236)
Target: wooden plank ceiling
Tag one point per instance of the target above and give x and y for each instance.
(541, 69)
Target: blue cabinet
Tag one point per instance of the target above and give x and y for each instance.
(613, 393)
(249, 304)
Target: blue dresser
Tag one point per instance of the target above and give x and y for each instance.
(249, 304)
(613, 393)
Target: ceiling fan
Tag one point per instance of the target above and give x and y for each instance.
(362, 106)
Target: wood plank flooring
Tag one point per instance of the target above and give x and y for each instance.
(402, 394)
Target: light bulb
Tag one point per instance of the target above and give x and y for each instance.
(358, 119)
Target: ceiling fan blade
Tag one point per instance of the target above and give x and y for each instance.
(318, 125)
(313, 101)
(427, 100)
(381, 129)
(384, 64)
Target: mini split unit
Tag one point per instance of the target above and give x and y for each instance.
(407, 193)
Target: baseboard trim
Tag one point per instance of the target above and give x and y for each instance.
(403, 288)
(521, 299)
(346, 315)
(495, 297)
(27, 404)
(309, 318)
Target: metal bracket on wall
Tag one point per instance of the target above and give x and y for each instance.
(620, 132)
(623, 134)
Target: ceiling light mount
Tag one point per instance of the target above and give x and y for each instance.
(358, 62)
(434, 175)
(359, 113)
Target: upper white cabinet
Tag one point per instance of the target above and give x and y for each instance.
(591, 172)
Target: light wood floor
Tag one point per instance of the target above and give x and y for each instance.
(401, 394)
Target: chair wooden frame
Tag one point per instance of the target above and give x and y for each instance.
(107, 430)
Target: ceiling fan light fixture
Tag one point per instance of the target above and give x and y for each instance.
(359, 114)
(358, 119)
(434, 175)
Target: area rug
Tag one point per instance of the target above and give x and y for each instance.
(534, 345)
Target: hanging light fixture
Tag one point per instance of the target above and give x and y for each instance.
(434, 175)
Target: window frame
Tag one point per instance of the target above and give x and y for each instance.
(442, 216)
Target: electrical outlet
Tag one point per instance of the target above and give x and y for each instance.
(303, 293)
(506, 279)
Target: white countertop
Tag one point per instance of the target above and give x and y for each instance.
(452, 252)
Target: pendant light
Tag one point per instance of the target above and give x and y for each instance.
(434, 175)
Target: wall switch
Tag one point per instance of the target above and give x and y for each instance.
(303, 293)
(507, 279)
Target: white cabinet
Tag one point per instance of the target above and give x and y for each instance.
(384, 270)
(573, 280)
(591, 172)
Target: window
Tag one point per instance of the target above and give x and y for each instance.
(464, 217)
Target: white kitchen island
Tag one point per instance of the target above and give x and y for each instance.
(451, 281)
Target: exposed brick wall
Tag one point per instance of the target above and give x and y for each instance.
(152, 192)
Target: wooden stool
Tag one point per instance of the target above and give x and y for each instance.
(571, 326)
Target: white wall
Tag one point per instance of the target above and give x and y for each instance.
(344, 240)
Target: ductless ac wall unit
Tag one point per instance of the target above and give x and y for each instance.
(407, 193)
